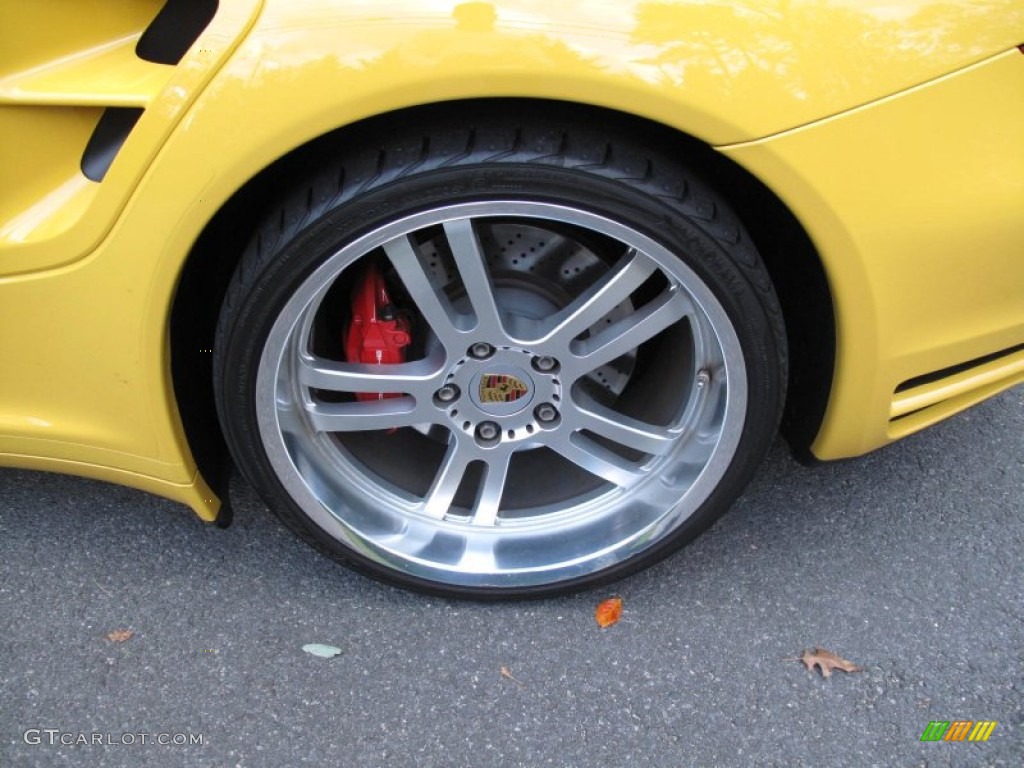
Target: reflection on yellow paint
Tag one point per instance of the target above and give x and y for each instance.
(773, 64)
(39, 215)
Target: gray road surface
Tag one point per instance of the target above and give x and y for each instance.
(909, 561)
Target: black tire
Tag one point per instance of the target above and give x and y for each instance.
(460, 174)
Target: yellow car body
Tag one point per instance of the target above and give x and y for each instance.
(889, 132)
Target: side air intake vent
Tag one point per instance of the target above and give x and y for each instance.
(174, 29)
(107, 138)
(168, 36)
(923, 400)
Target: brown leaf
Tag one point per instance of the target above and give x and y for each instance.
(827, 661)
(119, 635)
(507, 674)
(608, 612)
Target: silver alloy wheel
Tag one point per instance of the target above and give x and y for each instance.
(509, 372)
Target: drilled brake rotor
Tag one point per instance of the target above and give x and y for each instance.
(535, 273)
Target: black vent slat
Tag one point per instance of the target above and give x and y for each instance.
(953, 370)
(174, 29)
(106, 140)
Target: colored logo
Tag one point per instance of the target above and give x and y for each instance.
(958, 730)
(501, 388)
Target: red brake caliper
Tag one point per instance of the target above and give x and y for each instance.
(378, 335)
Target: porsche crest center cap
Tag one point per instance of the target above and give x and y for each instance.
(502, 390)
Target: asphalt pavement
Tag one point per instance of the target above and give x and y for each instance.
(908, 562)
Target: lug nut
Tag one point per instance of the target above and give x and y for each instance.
(488, 430)
(447, 393)
(546, 413)
(545, 364)
(481, 350)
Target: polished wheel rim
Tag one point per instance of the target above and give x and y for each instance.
(574, 395)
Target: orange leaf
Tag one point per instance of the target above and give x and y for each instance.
(119, 635)
(608, 612)
(507, 674)
(827, 661)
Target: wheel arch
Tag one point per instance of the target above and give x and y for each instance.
(792, 261)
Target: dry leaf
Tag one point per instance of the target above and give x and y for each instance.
(827, 661)
(507, 674)
(119, 635)
(608, 612)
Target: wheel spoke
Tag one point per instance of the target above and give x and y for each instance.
(600, 298)
(479, 555)
(367, 415)
(433, 305)
(630, 332)
(697, 451)
(598, 460)
(442, 491)
(488, 499)
(619, 428)
(419, 378)
(469, 259)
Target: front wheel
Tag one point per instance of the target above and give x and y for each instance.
(471, 370)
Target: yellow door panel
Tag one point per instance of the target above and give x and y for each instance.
(51, 98)
(36, 34)
(109, 75)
